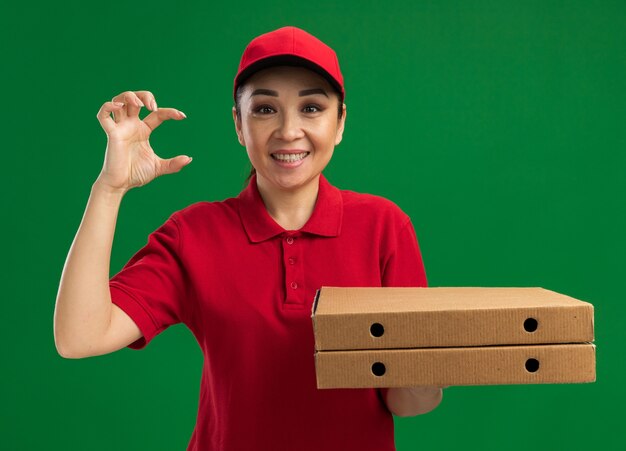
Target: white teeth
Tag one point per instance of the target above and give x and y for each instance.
(289, 158)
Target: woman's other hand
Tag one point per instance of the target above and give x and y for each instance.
(129, 160)
(411, 401)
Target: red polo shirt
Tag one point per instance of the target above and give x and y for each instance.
(244, 286)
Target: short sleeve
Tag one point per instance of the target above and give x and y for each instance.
(404, 267)
(150, 288)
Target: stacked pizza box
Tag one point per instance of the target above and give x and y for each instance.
(400, 337)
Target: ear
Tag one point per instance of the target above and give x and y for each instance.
(238, 128)
(341, 125)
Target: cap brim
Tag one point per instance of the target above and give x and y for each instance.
(285, 60)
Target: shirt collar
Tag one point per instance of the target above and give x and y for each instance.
(260, 226)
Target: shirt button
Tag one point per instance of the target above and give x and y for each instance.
(289, 240)
(294, 285)
(292, 260)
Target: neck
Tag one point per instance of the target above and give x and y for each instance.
(291, 209)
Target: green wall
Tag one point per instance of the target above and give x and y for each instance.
(498, 126)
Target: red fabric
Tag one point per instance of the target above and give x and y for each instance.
(244, 286)
(291, 41)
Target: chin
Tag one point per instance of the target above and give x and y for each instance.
(291, 181)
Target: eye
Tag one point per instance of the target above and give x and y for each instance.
(263, 109)
(312, 109)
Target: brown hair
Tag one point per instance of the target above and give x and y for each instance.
(238, 110)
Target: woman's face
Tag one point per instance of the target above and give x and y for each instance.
(289, 125)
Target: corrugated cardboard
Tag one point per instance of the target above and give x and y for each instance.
(481, 365)
(387, 337)
(386, 318)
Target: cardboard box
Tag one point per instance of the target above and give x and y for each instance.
(394, 337)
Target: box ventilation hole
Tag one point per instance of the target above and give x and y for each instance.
(378, 369)
(532, 365)
(530, 325)
(377, 330)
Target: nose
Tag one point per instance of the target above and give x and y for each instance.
(289, 126)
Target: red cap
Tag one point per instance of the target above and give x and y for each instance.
(290, 46)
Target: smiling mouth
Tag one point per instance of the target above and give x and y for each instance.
(290, 157)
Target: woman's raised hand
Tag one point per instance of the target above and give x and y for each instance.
(129, 160)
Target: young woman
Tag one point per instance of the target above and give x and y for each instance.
(242, 273)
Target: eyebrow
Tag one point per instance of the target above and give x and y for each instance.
(305, 92)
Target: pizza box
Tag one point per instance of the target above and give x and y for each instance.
(394, 337)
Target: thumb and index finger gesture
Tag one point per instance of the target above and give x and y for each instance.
(128, 104)
(130, 160)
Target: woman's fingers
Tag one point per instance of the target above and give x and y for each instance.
(132, 105)
(131, 102)
(121, 114)
(148, 99)
(139, 99)
(104, 115)
(156, 118)
(134, 101)
(173, 165)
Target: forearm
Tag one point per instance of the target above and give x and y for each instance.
(83, 307)
(411, 401)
